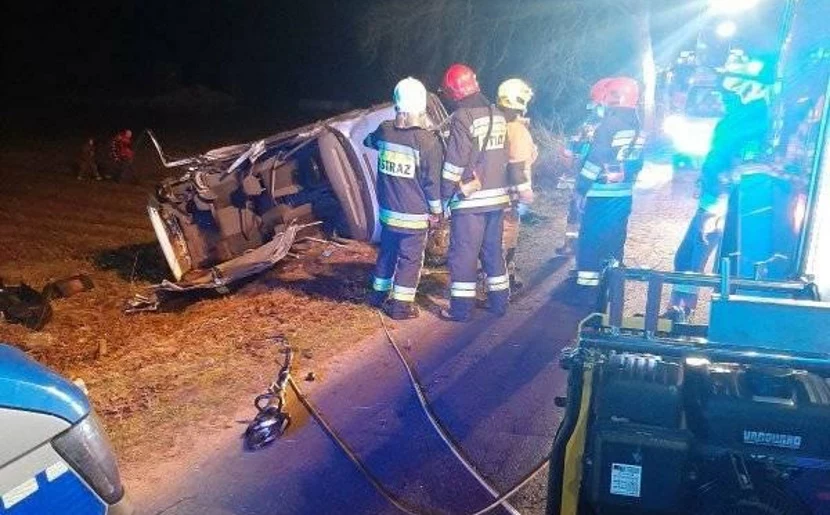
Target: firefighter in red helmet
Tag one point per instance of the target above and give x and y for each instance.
(581, 145)
(604, 188)
(475, 187)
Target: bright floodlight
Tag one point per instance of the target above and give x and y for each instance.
(731, 6)
(726, 29)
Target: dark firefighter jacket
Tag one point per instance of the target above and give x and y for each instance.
(469, 157)
(738, 137)
(409, 171)
(617, 146)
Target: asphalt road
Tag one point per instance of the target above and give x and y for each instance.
(492, 383)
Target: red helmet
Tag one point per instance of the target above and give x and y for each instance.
(459, 82)
(616, 92)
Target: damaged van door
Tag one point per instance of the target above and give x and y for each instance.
(235, 211)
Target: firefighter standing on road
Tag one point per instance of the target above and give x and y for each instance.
(580, 146)
(605, 184)
(514, 95)
(738, 139)
(476, 188)
(409, 195)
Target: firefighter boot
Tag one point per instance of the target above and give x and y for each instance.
(398, 310)
(378, 298)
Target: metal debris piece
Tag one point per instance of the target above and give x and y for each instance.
(271, 420)
(142, 303)
(24, 305)
(63, 288)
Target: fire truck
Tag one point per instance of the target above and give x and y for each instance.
(726, 416)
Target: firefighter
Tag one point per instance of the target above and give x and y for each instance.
(409, 196)
(738, 138)
(476, 189)
(122, 155)
(605, 184)
(514, 95)
(580, 145)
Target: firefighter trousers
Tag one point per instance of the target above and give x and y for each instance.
(477, 237)
(398, 266)
(702, 239)
(602, 236)
(510, 238)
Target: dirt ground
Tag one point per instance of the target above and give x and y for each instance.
(149, 375)
(160, 380)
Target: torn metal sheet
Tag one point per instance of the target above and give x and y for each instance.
(251, 263)
(229, 213)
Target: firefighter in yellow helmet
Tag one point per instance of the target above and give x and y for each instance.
(514, 95)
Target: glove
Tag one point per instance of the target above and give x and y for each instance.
(522, 209)
(445, 204)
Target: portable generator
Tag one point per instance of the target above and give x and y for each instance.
(729, 418)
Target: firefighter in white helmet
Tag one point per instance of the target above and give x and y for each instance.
(513, 97)
(409, 194)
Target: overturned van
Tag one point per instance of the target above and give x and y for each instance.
(235, 211)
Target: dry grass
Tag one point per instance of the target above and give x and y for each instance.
(159, 379)
(151, 375)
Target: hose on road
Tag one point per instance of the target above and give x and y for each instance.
(499, 499)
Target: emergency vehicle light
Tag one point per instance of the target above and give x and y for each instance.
(693, 138)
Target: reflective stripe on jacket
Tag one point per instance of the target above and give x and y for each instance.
(521, 154)
(469, 126)
(614, 148)
(409, 168)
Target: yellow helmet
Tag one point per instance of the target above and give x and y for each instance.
(514, 94)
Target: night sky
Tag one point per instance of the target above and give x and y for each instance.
(251, 49)
(266, 54)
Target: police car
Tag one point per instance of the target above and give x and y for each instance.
(54, 455)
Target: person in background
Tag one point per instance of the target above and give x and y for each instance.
(87, 164)
(122, 156)
(409, 195)
(513, 97)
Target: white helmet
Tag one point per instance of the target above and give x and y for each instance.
(514, 94)
(410, 96)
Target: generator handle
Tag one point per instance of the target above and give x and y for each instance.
(713, 351)
(725, 272)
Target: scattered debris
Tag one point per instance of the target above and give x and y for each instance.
(64, 288)
(141, 303)
(24, 305)
(271, 420)
(310, 377)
